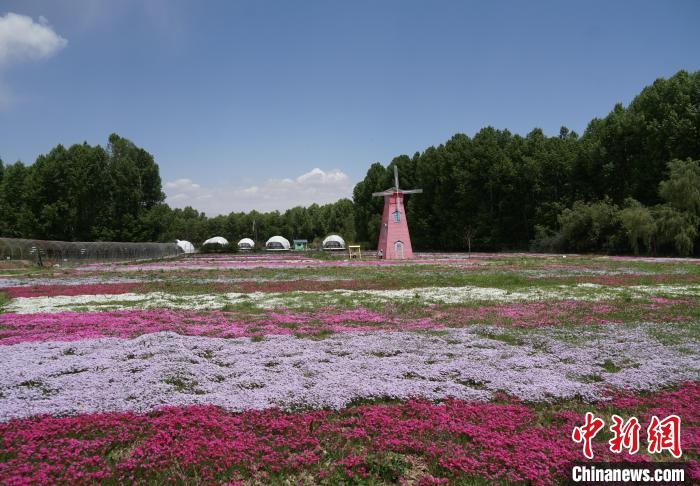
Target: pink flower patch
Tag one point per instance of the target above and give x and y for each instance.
(55, 290)
(73, 326)
(496, 442)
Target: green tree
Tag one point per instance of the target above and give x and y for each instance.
(18, 220)
(588, 227)
(639, 225)
(366, 206)
(676, 230)
(682, 188)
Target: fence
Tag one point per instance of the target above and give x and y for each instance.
(50, 252)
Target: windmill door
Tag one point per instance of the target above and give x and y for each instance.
(398, 250)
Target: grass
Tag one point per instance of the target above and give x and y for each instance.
(244, 306)
(182, 384)
(4, 300)
(436, 332)
(207, 354)
(507, 273)
(316, 335)
(385, 354)
(610, 367)
(504, 336)
(37, 385)
(682, 333)
(108, 305)
(402, 277)
(120, 453)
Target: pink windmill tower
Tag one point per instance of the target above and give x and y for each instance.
(394, 239)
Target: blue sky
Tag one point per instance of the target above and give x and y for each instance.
(269, 104)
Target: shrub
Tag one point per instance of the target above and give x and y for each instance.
(216, 248)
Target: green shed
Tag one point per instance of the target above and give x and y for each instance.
(300, 245)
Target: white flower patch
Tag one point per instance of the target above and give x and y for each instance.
(33, 281)
(297, 299)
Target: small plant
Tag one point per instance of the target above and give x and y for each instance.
(182, 384)
(317, 335)
(217, 248)
(37, 385)
(503, 337)
(610, 367)
(385, 354)
(207, 354)
(389, 466)
(4, 300)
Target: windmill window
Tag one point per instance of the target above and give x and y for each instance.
(397, 216)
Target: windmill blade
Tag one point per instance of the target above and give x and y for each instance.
(412, 191)
(388, 192)
(396, 177)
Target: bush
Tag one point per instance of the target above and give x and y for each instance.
(639, 225)
(547, 241)
(216, 248)
(588, 227)
(675, 230)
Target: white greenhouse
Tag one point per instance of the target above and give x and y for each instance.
(216, 240)
(277, 243)
(186, 246)
(333, 242)
(246, 244)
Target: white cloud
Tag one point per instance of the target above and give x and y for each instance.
(23, 39)
(317, 176)
(185, 185)
(315, 186)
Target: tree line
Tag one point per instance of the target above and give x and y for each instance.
(91, 193)
(310, 223)
(81, 193)
(629, 184)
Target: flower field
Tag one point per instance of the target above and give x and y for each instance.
(268, 369)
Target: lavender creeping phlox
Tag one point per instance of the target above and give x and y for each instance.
(153, 370)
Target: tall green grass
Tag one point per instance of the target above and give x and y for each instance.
(4, 300)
